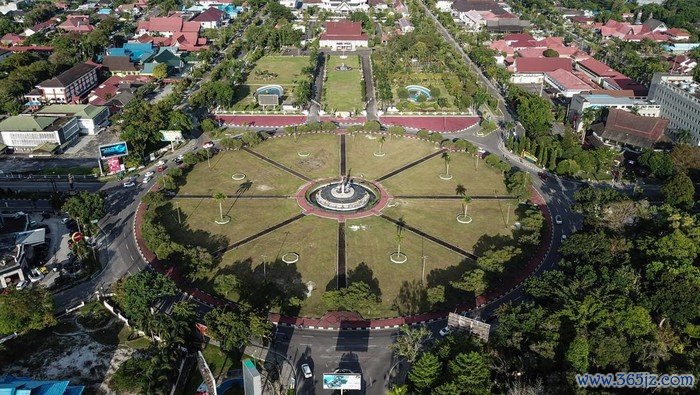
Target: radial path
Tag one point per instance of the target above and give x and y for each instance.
(342, 273)
(433, 238)
(237, 197)
(277, 164)
(455, 197)
(409, 165)
(343, 161)
(261, 233)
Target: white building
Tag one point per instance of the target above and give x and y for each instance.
(91, 119)
(27, 133)
(344, 36)
(340, 7)
(581, 102)
(679, 98)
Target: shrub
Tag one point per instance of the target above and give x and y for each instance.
(396, 130)
(436, 137)
(372, 126)
(424, 134)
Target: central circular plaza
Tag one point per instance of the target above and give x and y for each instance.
(343, 195)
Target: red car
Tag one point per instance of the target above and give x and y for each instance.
(161, 168)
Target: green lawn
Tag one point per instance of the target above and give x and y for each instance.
(424, 179)
(372, 240)
(438, 218)
(427, 80)
(398, 152)
(262, 178)
(284, 70)
(247, 218)
(323, 149)
(343, 91)
(313, 238)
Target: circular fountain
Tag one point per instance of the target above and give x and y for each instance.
(343, 195)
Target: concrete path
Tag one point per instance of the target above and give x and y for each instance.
(408, 166)
(432, 238)
(259, 234)
(277, 164)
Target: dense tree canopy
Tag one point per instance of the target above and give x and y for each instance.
(25, 310)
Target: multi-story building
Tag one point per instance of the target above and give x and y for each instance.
(91, 119)
(344, 36)
(679, 98)
(28, 132)
(581, 102)
(68, 86)
(340, 7)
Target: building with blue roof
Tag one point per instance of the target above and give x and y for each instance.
(11, 385)
(137, 52)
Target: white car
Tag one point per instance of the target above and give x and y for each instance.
(208, 144)
(161, 162)
(149, 173)
(306, 369)
(35, 275)
(481, 150)
(22, 284)
(65, 220)
(557, 220)
(146, 180)
(129, 184)
(445, 331)
(563, 238)
(180, 158)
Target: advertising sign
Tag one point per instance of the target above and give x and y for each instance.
(171, 135)
(342, 381)
(113, 150)
(113, 165)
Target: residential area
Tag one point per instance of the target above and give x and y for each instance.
(349, 196)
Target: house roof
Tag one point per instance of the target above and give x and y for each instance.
(169, 24)
(211, 14)
(568, 80)
(13, 38)
(343, 30)
(653, 24)
(168, 58)
(77, 23)
(635, 130)
(85, 111)
(598, 68)
(26, 123)
(69, 76)
(541, 65)
(118, 63)
(477, 5)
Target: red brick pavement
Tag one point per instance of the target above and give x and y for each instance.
(309, 209)
(261, 120)
(441, 123)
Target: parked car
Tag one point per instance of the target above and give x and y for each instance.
(22, 284)
(306, 369)
(161, 168)
(445, 331)
(208, 144)
(149, 173)
(44, 270)
(146, 180)
(161, 162)
(129, 184)
(65, 220)
(557, 220)
(563, 237)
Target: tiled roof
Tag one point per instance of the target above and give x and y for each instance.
(69, 76)
(209, 15)
(541, 65)
(477, 5)
(118, 63)
(567, 80)
(598, 68)
(627, 128)
(343, 30)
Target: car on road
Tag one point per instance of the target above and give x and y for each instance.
(481, 150)
(22, 284)
(563, 238)
(557, 219)
(129, 184)
(146, 180)
(161, 162)
(208, 144)
(306, 369)
(180, 158)
(445, 331)
(543, 176)
(149, 173)
(65, 220)
(161, 169)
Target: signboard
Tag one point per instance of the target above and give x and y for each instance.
(342, 381)
(113, 150)
(113, 165)
(171, 135)
(478, 328)
(76, 237)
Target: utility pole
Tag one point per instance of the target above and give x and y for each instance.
(423, 256)
(508, 214)
(264, 258)
(177, 206)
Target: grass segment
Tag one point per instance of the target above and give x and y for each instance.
(323, 151)
(343, 91)
(398, 151)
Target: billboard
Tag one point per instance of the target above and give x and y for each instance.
(113, 150)
(478, 328)
(114, 165)
(171, 135)
(342, 381)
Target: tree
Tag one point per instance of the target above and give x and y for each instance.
(220, 197)
(381, 141)
(518, 184)
(358, 296)
(679, 191)
(302, 91)
(550, 53)
(472, 281)
(425, 372)
(495, 260)
(26, 310)
(85, 207)
(226, 284)
(235, 328)
(160, 72)
(410, 342)
(138, 293)
(436, 295)
(471, 373)
(447, 159)
(658, 163)
(568, 167)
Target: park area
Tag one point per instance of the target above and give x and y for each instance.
(273, 254)
(440, 98)
(270, 70)
(343, 85)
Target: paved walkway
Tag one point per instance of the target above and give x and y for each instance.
(260, 120)
(310, 209)
(237, 196)
(454, 197)
(261, 233)
(342, 272)
(433, 123)
(433, 238)
(408, 166)
(343, 157)
(277, 164)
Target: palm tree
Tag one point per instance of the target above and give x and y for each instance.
(460, 190)
(382, 140)
(466, 199)
(220, 197)
(400, 225)
(447, 158)
(683, 136)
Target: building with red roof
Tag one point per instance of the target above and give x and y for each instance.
(12, 39)
(623, 128)
(566, 83)
(344, 36)
(532, 70)
(172, 31)
(609, 78)
(211, 18)
(77, 23)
